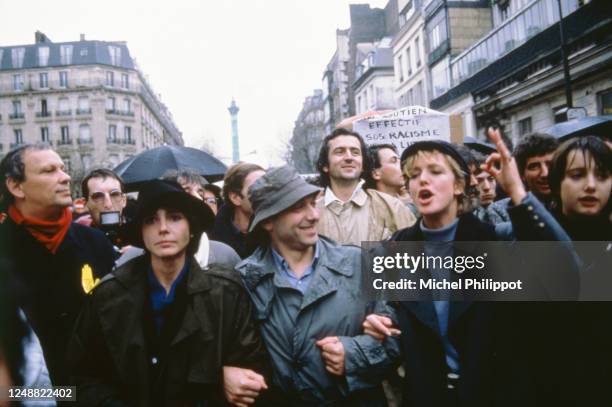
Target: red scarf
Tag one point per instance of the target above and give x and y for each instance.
(49, 233)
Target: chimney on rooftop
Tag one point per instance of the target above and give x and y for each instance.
(40, 38)
(82, 37)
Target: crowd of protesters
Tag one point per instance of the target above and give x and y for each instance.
(251, 294)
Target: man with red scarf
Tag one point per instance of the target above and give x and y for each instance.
(53, 262)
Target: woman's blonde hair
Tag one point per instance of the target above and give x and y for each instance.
(463, 201)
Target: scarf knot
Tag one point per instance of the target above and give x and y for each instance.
(49, 233)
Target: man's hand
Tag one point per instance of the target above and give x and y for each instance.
(242, 386)
(503, 167)
(332, 352)
(379, 327)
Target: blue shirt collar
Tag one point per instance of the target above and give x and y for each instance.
(283, 267)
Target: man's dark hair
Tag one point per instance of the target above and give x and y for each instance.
(99, 173)
(591, 145)
(533, 145)
(323, 160)
(12, 166)
(372, 152)
(187, 175)
(235, 176)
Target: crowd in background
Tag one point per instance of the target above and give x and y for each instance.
(195, 294)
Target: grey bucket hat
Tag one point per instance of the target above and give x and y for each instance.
(279, 189)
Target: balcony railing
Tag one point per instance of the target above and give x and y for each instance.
(83, 111)
(131, 142)
(14, 116)
(512, 33)
(85, 141)
(43, 114)
(120, 112)
(64, 142)
(63, 112)
(15, 145)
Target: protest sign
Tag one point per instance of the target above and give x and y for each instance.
(408, 125)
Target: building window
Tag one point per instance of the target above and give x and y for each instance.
(67, 164)
(43, 56)
(112, 133)
(43, 80)
(110, 78)
(110, 104)
(418, 98)
(400, 68)
(84, 134)
(44, 111)
(18, 82)
(66, 54)
(127, 105)
(435, 38)
(65, 132)
(417, 52)
(125, 81)
(18, 136)
(359, 109)
(87, 161)
(17, 107)
(504, 10)
(17, 55)
(408, 62)
(115, 55)
(524, 126)
(83, 104)
(605, 102)
(372, 96)
(440, 78)
(63, 79)
(64, 106)
(44, 134)
(127, 134)
(406, 13)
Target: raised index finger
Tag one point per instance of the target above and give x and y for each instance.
(496, 138)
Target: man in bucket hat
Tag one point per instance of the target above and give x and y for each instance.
(306, 292)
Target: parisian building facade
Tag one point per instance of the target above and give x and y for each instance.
(88, 99)
(494, 62)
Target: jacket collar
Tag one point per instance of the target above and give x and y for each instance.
(260, 265)
(125, 310)
(469, 229)
(359, 196)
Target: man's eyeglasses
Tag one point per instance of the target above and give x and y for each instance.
(210, 201)
(114, 195)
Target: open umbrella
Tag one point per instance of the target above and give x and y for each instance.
(480, 146)
(593, 125)
(153, 163)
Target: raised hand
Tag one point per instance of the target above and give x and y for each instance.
(503, 167)
(332, 352)
(242, 386)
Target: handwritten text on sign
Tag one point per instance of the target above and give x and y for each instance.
(405, 126)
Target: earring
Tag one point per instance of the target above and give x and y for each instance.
(191, 236)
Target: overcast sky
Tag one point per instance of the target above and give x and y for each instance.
(267, 54)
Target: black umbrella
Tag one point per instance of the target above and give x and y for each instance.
(594, 125)
(153, 163)
(482, 147)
